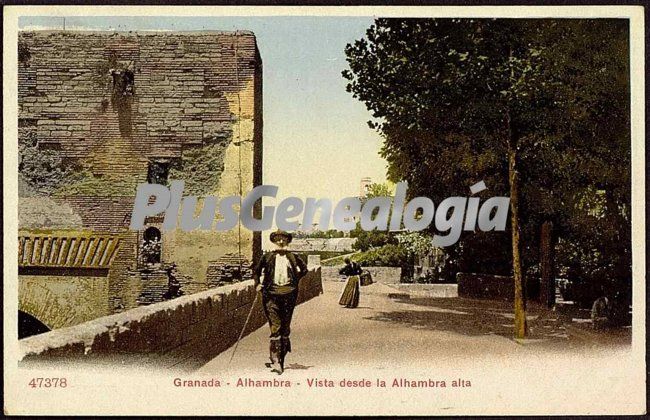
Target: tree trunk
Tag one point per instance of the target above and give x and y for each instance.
(521, 327)
(547, 286)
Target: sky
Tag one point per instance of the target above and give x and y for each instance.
(316, 139)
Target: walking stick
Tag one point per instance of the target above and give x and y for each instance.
(243, 329)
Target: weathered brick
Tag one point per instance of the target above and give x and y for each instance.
(114, 137)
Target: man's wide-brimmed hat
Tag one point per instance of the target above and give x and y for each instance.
(280, 233)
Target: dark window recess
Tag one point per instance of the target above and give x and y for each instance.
(150, 252)
(123, 82)
(152, 234)
(158, 172)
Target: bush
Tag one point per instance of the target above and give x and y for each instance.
(386, 256)
(366, 240)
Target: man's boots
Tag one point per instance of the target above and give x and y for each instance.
(285, 348)
(275, 354)
(286, 345)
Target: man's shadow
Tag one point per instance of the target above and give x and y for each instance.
(359, 307)
(292, 366)
(298, 366)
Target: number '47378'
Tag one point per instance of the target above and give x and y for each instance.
(48, 383)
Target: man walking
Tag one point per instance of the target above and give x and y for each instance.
(281, 271)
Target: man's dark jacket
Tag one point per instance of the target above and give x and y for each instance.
(295, 270)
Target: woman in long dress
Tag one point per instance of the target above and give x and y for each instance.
(350, 296)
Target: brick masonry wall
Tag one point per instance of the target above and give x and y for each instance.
(183, 333)
(196, 101)
(183, 93)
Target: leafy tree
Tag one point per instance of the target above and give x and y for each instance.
(504, 101)
(379, 190)
(415, 242)
(389, 255)
(371, 239)
(367, 240)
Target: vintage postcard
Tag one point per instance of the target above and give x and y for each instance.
(324, 210)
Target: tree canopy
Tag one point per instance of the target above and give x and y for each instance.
(453, 97)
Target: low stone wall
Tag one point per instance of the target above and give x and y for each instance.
(183, 333)
(385, 275)
(488, 286)
(428, 290)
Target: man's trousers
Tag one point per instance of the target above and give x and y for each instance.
(279, 310)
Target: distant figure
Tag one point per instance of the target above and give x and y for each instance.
(600, 313)
(173, 285)
(350, 296)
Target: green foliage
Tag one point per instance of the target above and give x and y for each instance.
(416, 242)
(42, 169)
(379, 190)
(386, 256)
(201, 168)
(451, 97)
(483, 252)
(47, 174)
(367, 240)
(82, 182)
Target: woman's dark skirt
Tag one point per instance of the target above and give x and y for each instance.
(350, 295)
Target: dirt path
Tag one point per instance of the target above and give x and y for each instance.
(385, 332)
(457, 352)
